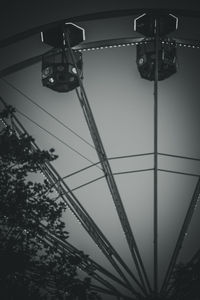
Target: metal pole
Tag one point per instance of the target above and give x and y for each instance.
(156, 159)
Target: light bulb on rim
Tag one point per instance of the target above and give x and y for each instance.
(74, 70)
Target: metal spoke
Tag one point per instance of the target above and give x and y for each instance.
(109, 176)
(107, 292)
(87, 264)
(156, 159)
(82, 216)
(181, 237)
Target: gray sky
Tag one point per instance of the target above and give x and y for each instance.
(122, 104)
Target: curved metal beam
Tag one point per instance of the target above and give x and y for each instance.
(100, 15)
(99, 45)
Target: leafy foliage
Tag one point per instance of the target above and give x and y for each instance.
(186, 281)
(32, 266)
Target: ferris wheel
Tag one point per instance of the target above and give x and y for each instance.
(62, 71)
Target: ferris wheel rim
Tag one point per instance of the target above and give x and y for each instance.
(157, 11)
(95, 16)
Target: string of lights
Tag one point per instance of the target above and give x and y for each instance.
(101, 45)
(127, 42)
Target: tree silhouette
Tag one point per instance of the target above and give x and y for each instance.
(32, 266)
(186, 280)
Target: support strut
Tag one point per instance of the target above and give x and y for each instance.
(182, 235)
(156, 159)
(109, 176)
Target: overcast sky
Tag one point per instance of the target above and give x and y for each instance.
(122, 104)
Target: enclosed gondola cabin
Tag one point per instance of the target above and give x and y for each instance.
(62, 66)
(155, 27)
(59, 72)
(167, 61)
